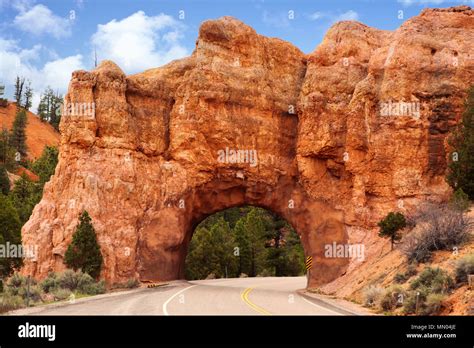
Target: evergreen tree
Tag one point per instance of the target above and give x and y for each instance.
(19, 85)
(28, 96)
(244, 252)
(10, 231)
(45, 165)
(211, 252)
(4, 181)
(24, 197)
(49, 108)
(461, 165)
(7, 152)
(84, 251)
(391, 225)
(266, 245)
(18, 133)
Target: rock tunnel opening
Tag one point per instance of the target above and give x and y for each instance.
(244, 241)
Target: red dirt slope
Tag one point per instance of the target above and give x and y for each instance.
(38, 134)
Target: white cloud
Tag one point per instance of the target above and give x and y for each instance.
(277, 20)
(40, 20)
(140, 42)
(316, 15)
(19, 61)
(347, 16)
(350, 15)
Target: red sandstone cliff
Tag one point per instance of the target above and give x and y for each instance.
(330, 159)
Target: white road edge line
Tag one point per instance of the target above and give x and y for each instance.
(321, 307)
(165, 311)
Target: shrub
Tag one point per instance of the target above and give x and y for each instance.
(10, 302)
(34, 293)
(410, 305)
(440, 227)
(392, 298)
(372, 296)
(464, 267)
(84, 281)
(15, 281)
(61, 294)
(132, 283)
(459, 200)
(68, 279)
(94, 288)
(434, 279)
(400, 278)
(49, 283)
(432, 305)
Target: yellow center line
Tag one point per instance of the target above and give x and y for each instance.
(245, 297)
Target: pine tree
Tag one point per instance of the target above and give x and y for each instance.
(49, 108)
(244, 252)
(18, 133)
(19, 85)
(84, 251)
(10, 231)
(391, 225)
(28, 96)
(4, 181)
(461, 165)
(24, 197)
(7, 152)
(45, 165)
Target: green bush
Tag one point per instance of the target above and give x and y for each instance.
(94, 288)
(61, 294)
(10, 302)
(132, 283)
(49, 283)
(464, 267)
(69, 279)
(409, 305)
(84, 281)
(392, 298)
(372, 296)
(34, 293)
(459, 200)
(433, 304)
(400, 278)
(434, 279)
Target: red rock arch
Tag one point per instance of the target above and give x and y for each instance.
(317, 224)
(314, 121)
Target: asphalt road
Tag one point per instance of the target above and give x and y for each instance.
(241, 296)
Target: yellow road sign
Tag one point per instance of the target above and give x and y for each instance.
(309, 262)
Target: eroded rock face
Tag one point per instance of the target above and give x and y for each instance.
(156, 158)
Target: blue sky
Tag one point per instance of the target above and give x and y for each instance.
(46, 40)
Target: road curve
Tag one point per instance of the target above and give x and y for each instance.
(235, 296)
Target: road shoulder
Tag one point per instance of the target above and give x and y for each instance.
(338, 305)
